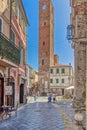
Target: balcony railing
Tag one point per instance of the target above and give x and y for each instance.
(8, 50)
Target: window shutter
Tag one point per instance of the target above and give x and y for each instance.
(0, 25)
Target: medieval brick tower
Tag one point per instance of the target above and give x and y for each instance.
(46, 43)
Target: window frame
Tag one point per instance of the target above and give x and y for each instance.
(42, 61)
(57, 71)
(12, 35)
(51, 71)
(62, 80)
(44, 6)
(63, 70)
(57, 80)
(51, 80)
(21, 53)
(43, 43)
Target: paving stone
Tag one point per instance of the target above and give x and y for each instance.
(35, 116)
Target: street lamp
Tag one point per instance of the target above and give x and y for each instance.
(70, 32)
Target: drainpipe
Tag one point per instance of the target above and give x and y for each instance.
(86, 87)
(10, 19)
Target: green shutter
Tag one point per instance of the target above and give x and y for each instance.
(51, 71)
(62, 80)
(57, 71)
(57, 80)
(63, 71)
(0, 25)
(51, 80)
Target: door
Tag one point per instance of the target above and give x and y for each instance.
(62, 91)
(21, 93)
(1, 91)
(8, 100)
(13, 93)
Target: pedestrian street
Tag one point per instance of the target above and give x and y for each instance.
(35, 116)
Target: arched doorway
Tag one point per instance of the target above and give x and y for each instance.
(1, 90)
(21, 93)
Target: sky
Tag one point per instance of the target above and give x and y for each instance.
(61, 20)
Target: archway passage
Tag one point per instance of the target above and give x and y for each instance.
(1, 90)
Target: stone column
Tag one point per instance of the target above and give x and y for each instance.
(80, 75)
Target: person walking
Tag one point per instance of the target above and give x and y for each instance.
(49, 97)
(54, 97)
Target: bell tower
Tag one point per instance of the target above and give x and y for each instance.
(46, 43)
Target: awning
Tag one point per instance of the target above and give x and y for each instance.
(71, 87)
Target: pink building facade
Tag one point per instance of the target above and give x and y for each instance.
(13, 24)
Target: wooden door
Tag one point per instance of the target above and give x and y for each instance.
(1, 91)
(21, 93)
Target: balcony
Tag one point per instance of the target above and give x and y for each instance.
(8, 51)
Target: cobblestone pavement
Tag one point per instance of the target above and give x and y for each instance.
(68, 113)
(35, 116)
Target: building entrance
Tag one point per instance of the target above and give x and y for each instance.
(1, 91)
(21, 93)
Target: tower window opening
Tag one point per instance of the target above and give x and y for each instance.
(44, 7)
(44, 23)
(42, 62)
(43, 43)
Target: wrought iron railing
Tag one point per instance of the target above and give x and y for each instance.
(8, 50)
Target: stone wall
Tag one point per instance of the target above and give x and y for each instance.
(80, 75)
